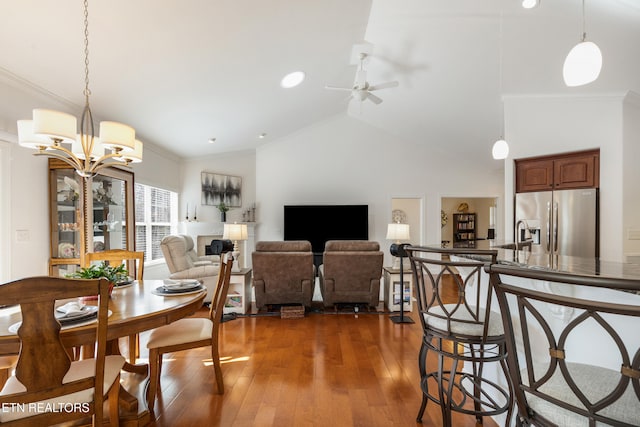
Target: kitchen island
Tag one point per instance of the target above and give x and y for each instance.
(587, 344)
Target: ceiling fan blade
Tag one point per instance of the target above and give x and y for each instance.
(337, 88)
(384, 85)
(376, 100)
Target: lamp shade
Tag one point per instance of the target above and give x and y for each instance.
(54, 124)
(398, 232)
(582, 65)
(500, 149)
(78, 150)
(116, 135)
(235, 232)
(134, 156)
(27, 138)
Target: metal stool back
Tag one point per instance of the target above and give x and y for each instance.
(463, 332)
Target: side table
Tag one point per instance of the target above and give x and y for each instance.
(239, 295)
(392, 290)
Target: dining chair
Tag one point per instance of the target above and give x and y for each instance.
(191, 332)
(135, 263)
(573, 346)
(48, 387)
(461, 329)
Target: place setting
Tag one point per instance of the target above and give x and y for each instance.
(178, 287)
(71, 314)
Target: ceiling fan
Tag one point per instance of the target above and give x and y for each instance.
(361, 89)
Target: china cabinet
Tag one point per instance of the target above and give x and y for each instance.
(88, 215)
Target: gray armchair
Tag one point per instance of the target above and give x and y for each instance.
(283, 273)
(184, 263)
(351, 272)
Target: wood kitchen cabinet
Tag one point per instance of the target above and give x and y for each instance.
(558, 172)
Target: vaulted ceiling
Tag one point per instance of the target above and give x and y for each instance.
(184, 72)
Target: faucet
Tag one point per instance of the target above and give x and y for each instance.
(517, 231)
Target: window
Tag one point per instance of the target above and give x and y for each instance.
(156, 217)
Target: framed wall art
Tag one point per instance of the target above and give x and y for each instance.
(218, 188)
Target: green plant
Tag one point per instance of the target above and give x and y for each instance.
(222, 207)
(95, 271)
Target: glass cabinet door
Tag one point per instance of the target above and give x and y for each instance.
(111, 200)
(66, 220)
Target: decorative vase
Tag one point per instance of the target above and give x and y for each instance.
(223, 216)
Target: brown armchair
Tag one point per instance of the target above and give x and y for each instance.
(184, 263)
(351, 272)
(283, 273)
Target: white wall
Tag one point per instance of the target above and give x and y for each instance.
(345, 161)
(631, 189)
(242, 164)
(539, 125)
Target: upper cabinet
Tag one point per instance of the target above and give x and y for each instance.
(88, 215)
(558, 172)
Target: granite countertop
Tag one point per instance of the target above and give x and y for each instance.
(561, 263)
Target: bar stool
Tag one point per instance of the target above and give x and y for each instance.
(463, 332)
(573, 346)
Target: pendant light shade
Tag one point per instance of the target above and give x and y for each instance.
(500, 149)
(582, 65)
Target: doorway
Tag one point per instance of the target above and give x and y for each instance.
(481, 206)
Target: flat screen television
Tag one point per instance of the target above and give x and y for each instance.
(319, 223)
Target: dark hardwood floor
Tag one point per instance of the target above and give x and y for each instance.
(334, 369)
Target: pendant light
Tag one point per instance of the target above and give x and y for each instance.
(584, 61)
(500, 148)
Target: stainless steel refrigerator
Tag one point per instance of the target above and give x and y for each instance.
(563, 222)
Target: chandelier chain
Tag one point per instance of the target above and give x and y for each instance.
(584, 23)
(87, 92)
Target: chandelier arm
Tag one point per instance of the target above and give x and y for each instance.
(69, 159)
(100, 163)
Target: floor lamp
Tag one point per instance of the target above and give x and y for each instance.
(398, 232)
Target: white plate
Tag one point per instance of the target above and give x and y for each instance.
(160, 291)
(14, 328)
(85, 311)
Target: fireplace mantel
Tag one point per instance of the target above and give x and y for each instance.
(204, 232)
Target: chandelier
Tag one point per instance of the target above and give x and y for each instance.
(54, 133)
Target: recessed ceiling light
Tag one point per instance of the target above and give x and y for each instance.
(212, 140)
(530, 4)
(262, 135)
(292, 79)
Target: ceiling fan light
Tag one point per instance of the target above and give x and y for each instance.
(582, 65)
(530, 4)
(292, 79)
(500, 149)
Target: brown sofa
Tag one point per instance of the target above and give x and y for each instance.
(184, 263)
(283, 273)
(351, 272)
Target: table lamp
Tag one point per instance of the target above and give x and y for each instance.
(235, 232)
(398, 232)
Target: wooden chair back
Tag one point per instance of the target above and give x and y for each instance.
(115, 257)
(573, 346)
(216, 309)
(43, 361)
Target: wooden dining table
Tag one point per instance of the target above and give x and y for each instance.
(134, 309)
